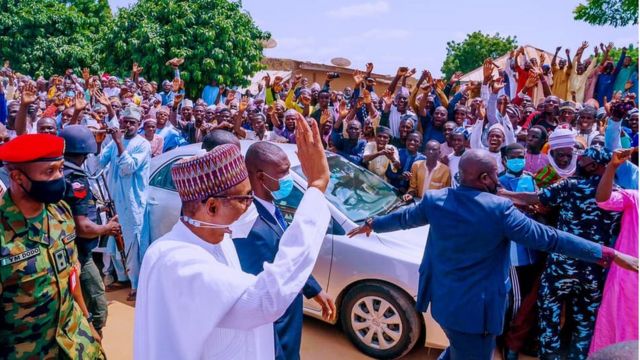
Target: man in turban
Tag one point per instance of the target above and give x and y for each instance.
(569, 283)
(464, 272)
(194, 299)
(562, 158)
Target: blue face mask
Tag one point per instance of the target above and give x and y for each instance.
(515, 165)
(285, 186)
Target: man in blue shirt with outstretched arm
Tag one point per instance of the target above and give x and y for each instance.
(464, 273)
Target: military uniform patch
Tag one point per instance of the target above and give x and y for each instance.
(60, 257)
(69, 238)
(20, 257)
(79, 190)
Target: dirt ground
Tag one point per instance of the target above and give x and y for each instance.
(319, 340)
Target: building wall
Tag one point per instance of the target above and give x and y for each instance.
(317, 73)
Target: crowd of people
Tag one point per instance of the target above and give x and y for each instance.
(563, 133)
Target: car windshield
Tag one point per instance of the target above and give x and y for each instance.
(356, 192)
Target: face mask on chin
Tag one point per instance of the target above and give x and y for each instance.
(46, 192)
(204, 224)
(493, 189)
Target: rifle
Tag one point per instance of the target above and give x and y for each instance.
(110, 209)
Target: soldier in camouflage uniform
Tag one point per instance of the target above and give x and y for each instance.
(42, 313)
(79, 142)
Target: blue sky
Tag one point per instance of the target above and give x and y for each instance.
(391, 33)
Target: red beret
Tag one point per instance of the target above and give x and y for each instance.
(32, 147)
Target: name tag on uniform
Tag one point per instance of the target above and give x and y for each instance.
(20, 257)
(67, 239)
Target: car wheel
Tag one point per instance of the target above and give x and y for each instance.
(380, 320)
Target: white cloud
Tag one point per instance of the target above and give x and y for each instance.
(364, 9)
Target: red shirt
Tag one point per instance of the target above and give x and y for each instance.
(523, 75)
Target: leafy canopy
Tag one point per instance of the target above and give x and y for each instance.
(615, 53)
(218, 40)
(608, 12)
(43, 37)
(471, 52)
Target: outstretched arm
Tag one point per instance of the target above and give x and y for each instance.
(271, 292)
(399, 75)
(605, 55)
(520, 198)
(569, 62)
(29, 95)
(606, 182)
(409, 218)
(532, 234)
(616, 70)
(578, 57)
(555, 56)
(281, 281)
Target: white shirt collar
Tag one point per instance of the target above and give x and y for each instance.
(269, 205)
(242, 227)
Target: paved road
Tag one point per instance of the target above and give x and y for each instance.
(320, 341)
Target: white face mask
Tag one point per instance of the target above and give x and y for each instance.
(205, 225)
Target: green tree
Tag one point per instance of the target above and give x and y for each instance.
(470, 53)
(614, 54)
(218, 40)
(608, 12)
(45, 37)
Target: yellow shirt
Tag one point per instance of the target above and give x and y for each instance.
(422, 179)
(560, 81)
(578, 83)
(291, 103)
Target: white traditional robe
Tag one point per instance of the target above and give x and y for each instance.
(128, 183)
(195, 302)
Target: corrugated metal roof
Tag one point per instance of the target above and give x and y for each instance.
(530, 51)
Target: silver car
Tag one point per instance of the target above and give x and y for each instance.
(373, 279)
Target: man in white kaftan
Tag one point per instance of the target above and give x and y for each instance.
(128, 157)
(194, 301)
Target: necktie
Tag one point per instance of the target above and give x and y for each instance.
(280, 219)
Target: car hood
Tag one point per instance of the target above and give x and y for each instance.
(410, 243)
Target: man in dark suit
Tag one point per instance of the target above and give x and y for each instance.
(268, 168)
(464, 273)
